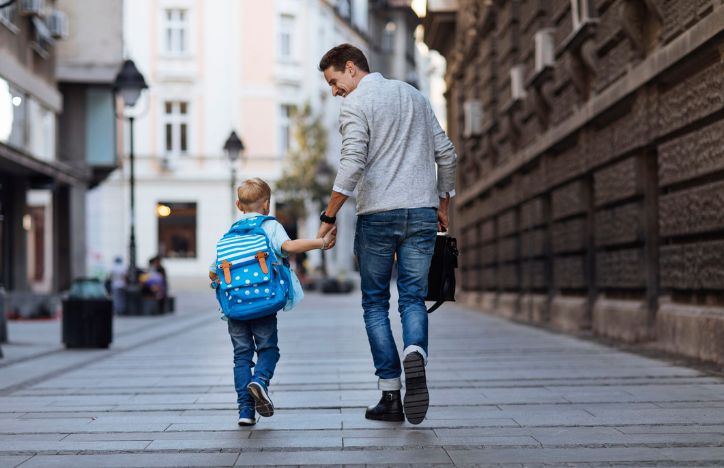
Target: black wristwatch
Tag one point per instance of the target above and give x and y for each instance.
(327, 219)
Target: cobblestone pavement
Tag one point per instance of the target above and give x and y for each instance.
(501, 394)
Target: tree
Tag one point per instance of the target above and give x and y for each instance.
(306, 174)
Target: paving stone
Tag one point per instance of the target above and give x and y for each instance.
(11, 461)
(344, 457)
(42, 446)
(573, 456)
(576, 438)
(58, 425)
(287, 443)
(25, 437)
(712, 454)
(432, 441)
(678, 429)
(132, 460)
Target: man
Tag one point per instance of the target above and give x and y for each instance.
(403, 166)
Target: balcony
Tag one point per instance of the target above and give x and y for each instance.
(439, 24)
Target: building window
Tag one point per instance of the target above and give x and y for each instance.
(41, 134)
(344, 8)
(388, 36)
(582, 11)
(176, 123)
(176, 229)
(286, 30)
(285, 128)
(36, 242)
(13, 115)
(176, 31)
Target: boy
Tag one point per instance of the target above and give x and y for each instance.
(260, 334)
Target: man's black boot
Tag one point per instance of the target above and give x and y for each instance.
(388, 409)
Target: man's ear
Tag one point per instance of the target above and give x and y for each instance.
(351, 67)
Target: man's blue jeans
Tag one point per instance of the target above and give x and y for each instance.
(247, 336)
(408, 235)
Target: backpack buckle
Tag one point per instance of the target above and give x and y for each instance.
(261, 258)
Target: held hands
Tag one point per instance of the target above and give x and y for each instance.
(329, 238)
(324, 228)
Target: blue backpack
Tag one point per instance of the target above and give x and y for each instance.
(253, 282)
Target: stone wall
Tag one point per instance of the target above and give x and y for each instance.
(594, 199)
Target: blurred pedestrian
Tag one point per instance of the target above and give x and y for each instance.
(398, 158)
(118, 279)
(153, 281)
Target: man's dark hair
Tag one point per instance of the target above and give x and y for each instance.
(338, 56)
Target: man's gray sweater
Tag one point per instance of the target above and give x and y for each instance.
(393, 148)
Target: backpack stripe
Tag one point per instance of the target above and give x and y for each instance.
(248, 250)
(235, 255)
(238, 240)
(235, 260)
(241, 246)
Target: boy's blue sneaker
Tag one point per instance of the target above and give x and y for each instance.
(264, 405)
(247, 416)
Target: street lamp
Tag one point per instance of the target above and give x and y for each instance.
(128, 85)
(233, 148)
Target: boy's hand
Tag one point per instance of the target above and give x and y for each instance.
(214, 278)
(330, 238)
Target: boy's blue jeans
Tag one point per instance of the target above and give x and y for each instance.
(410, 235)
(247, 336)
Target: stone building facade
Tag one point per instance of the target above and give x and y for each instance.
(591, 142)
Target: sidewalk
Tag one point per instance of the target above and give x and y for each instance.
(501, 394)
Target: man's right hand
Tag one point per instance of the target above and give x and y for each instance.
(324, 228)
(442, 214)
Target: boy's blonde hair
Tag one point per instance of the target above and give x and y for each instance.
(253, 193)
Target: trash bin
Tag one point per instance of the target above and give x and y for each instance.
(3, 321)
(87, 315)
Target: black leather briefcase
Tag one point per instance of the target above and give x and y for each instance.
(441, 278)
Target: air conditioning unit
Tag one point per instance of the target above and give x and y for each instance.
(31, 7)
(582, 11)
(544, 50)
(517, 84)
(58, 24)
(473, 115)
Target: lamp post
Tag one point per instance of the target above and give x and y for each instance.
(323, 179)
(128, 85)
(233, 148)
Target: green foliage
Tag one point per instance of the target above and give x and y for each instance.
(306, 174)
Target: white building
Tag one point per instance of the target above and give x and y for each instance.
(213, 67)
